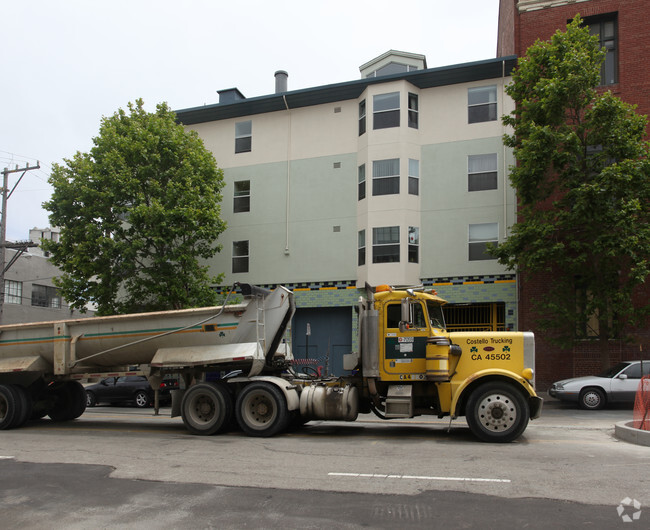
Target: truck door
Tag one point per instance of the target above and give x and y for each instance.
(404, 351)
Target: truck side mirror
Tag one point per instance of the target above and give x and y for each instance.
(405, 317)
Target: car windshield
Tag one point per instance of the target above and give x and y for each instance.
(435, 315)
(611, 372)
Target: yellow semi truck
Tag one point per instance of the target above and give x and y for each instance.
(407, 365)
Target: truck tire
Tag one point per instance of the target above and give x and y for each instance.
(261, 410)
(69, 401)
(206, 408)
(8, 407)
(24, 405)
(497, 412)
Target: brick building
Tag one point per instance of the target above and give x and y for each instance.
(621, 26)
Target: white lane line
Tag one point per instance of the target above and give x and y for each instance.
(6, 457)
(419, 477)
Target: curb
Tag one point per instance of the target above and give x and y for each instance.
(626, 432)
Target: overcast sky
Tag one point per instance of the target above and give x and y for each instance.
(67, 63)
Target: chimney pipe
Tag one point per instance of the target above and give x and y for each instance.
(281, 78)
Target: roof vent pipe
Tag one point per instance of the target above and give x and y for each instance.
(281, 78)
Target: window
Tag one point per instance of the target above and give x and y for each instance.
(413, 111)
(13, 292)
(242, 199)
(362, 117)
(414, 177)
(385, 176)
(46, 296)
(385, 244)
(605, 30)
(362, 248)
(482, 172)
(243, 136)
(479, 237)
(392, 68)
(414, 244)
(482, 104)
(240, 256)
(362, 181)
(386, 110)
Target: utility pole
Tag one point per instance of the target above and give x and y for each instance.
(3, 222)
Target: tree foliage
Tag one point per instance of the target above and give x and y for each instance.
(138, 214)
(582, 179)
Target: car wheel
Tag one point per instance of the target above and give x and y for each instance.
(141, 399)
(592, 399)
(91, 399)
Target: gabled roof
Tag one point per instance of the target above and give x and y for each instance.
(431, 77)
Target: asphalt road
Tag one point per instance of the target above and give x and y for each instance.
(120, 467)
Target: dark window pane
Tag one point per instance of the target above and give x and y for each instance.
(481, 113)
(414, 186)
(385, 254)
(413, 253)
(242, 204)
(384, 120)
(478, 251)
(483, 181)
(243, 145)
(385, 186)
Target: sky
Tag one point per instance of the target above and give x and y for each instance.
(67, 63)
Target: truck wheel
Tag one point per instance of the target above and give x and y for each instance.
(261, 410)
(8, 407)
(24, 403)
(69, 401)
(497, 412)
(592, 399)
(206, 408)
(141, 399)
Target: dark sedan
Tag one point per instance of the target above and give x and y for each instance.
(132, 389)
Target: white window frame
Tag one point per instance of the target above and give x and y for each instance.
(476, 101)
(386, 113)
(240, 196)
(384, 237)
(361, 254)
(414, 244)
(13, 292)
(414, 177)
(384, 179)
(243, 131)
(240, 262)
(478, 176)
(479, 235)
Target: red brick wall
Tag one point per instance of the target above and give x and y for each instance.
(524, 29)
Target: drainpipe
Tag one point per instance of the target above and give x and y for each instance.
(286, 246)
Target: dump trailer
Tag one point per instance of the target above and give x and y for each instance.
(407, 364)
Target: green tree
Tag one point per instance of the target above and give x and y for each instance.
(137, 214)
(582, 180)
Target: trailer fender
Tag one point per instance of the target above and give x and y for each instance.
(485, 375)
(290, 391)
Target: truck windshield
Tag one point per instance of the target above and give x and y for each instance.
(435, 315)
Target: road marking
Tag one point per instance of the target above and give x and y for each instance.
(6, 457)
(419, 477)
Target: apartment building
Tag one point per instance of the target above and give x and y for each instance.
(399, 177)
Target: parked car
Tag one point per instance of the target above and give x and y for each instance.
(618, 384)
(133, 389)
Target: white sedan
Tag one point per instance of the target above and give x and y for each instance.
(618, 384)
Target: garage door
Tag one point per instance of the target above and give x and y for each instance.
(330, 339)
